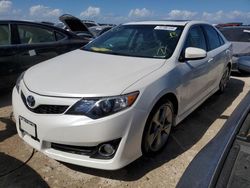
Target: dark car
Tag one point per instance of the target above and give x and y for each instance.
(76, 26)
(24, 44)
(225, 160)
(240, 38)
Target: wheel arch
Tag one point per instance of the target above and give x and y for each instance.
(168, 96)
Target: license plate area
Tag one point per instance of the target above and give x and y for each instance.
(28, 127)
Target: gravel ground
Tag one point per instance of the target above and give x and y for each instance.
(20, 166)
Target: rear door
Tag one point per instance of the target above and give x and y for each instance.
(9, 67)
(217, 53)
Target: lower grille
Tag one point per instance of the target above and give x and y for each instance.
(50, 109)
(80, 150)
(45, 109)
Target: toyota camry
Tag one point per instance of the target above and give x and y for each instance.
(117, 98)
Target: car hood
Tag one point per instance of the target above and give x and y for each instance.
(88, 74)
(74, 24)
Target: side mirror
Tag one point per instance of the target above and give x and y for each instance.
(192, 53)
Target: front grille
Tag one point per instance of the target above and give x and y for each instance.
(45, 109)
(80, 150)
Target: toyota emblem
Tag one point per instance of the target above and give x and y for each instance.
(31, 101)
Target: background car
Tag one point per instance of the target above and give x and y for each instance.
(90, 23)
(24, 44)
(99, 30)
(240, 38)
(76, 26)
(225, 160)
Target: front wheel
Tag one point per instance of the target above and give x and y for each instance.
(224, 80)
(158, 128)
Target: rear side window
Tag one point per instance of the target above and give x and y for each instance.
(196, 38)
(236, 34)
(4, 35)
(34, 35)
(212, 37)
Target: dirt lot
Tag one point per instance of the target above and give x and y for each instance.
(20, 166)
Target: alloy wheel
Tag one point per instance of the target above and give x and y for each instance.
(159, 128)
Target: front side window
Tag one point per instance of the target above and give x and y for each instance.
(212, 37)
(4, 35)
(152, 41)
(196, 38)
(34, 35)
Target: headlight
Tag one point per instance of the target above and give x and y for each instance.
(100, 107)
(18, 81)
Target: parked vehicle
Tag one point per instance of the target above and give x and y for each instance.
(106, 24)
(99, 30)
(224, 161)
(240, 38)
(105, 105)
(76, 26)
(90, 23)
(24, 44)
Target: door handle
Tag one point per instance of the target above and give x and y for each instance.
(210, 60)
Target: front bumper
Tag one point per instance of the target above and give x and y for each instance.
(78, 130)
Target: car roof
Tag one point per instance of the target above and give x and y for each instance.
(26, 22)
(34, 23)
(166, 22)
(236, 27)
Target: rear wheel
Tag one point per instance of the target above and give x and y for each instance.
(224, 80)
(158, 128)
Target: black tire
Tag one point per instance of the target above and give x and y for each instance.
(152, 131)
(224, 80)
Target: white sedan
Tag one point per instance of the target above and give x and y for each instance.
(105, 105)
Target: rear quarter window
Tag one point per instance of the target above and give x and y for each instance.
(59, 36)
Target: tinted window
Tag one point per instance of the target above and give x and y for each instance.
(59, 36)
(212, 37)
(236, 34)
(196, 38)
(33, 34)
(4, 35)
(221, 40)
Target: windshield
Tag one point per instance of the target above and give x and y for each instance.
(152, 41)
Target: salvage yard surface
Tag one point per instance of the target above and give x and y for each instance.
(20, 166)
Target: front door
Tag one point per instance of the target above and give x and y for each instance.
(196, 74)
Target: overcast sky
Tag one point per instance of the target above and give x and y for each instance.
(119, 11)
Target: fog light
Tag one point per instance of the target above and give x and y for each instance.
(106, 150)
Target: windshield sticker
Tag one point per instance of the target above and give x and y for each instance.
(167, 28)
(246, 31)
(100, 49)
